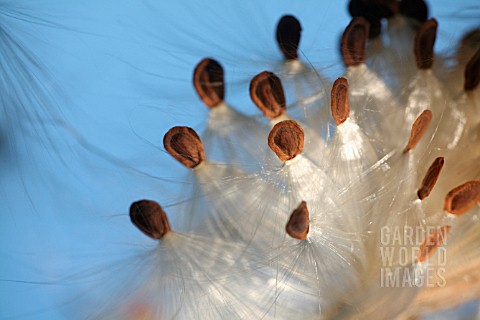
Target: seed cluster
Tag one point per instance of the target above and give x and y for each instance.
(344, 171)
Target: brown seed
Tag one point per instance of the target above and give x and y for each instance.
(340, 106)
(288, 36)
(418, 129)
(424, 42)
(374, 11)
(472, 72)
(299, 222)
(415, 9)
(354, 41)
(184, 144)
(266, 91)
(149, 217)
(462, 198)
(430, 178)
(208, 82)
(431, 244)
(286, 140)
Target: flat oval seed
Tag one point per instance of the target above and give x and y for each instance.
(354, 39)
(288, 36)
(418, 129)
(266, 91)
(299, 223)
(339, 104)
(286, 140)
(424, 42)
(149, 217)
(472, 72)
(430, 178)
(431, 244)
(208, 82)
(462, 198)
(184, 144)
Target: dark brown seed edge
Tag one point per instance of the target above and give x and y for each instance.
(430, 178)
(354, 40)
(472, 72)
(424, 42)
(339, 103)
(374, 11)
(462, 198)
(266, 91)
(208, 82)
(149, 217)
(286, 139)
(418, 129)
(184, 144)
(298, 224)
(415, 9)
